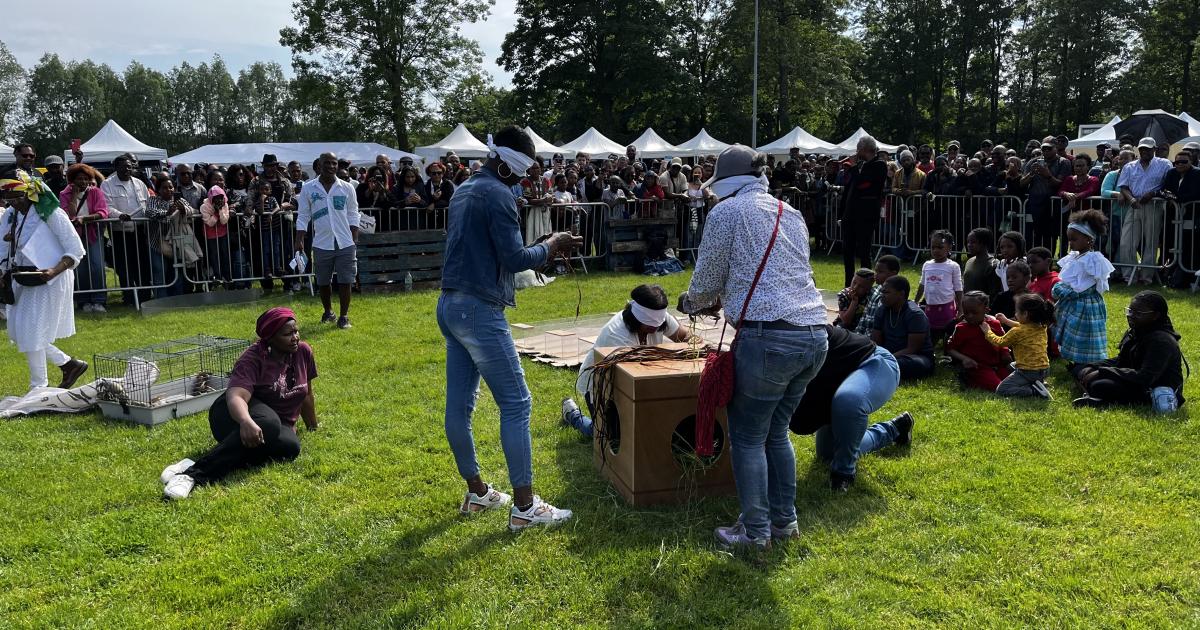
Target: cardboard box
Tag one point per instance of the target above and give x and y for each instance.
(652, 400)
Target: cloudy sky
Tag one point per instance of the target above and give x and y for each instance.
(162, 34)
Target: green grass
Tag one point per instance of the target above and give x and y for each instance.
(1002, 514)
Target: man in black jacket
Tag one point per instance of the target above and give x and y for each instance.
(860, 206)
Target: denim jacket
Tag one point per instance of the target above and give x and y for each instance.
(484, 246)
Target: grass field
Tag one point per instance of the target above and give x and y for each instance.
(1002, 513)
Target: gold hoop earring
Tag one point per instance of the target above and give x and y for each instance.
(504, 165)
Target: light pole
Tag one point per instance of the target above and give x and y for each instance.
(754, 104)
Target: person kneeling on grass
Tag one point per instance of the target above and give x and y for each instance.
(643, 322)
(1147, 368)
(1027, 339)
(857, 378)
(254, 421)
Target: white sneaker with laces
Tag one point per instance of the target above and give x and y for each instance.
(175, 469)
(474, 503)
(179, 487)
(538, 514)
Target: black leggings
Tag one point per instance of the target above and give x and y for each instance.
(856, 242)
(280, 443)
(1115, 391)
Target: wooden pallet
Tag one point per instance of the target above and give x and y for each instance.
(385, 259)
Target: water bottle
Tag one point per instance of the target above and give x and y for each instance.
(1164, 400)
(408, 281)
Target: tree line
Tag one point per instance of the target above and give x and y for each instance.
(400, 73)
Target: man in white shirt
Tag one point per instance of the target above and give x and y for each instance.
(1142, 227)
(128, 198)
(330, 207)
(643, 322)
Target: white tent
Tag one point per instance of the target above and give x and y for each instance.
(358, 153)
(5, 150)
(702, 144)
(461, 141)
(1087, 144)
(1193, 124)
(651, 145)
(545, 149)
(850, 145)
(112, 141)
(594, 144)
(796, 138)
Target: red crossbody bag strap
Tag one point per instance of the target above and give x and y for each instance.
(757, 274)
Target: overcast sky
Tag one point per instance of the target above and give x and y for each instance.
(163, 34)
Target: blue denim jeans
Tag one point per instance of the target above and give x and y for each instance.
(772, 369)
(90, 273)
(847, 437)
(479, 343)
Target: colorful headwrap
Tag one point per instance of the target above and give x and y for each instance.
(45, 202)
(271, 321)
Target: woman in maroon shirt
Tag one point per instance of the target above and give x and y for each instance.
(254, 421)
(1079, 185)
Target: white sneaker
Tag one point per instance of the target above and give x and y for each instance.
(98, 308)
(474, 503)
(88, 307)
(540, 513)
(175, 469)
(179, 487)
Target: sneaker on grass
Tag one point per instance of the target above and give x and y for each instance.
(735, 536)
(787, 532)
(474, 503)
(177, 468)
(538, 514)
(179, 487)
(328, 317)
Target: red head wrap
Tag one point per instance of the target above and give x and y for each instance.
(270, 322)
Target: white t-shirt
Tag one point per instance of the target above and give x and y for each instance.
(616, 334)
(941, 280)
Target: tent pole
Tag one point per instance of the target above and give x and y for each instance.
(754, 105)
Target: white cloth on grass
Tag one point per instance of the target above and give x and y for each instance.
(45, 313)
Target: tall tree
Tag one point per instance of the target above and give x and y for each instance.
(397, 51)
(13, 86)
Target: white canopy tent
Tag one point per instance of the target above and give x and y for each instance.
(358, 153)
(1087, 144)
(651, 145)
(112, 141)
(545, 149)
(461, 141)
(850, 145)
(796, 138)
(1193, 124)
(5, 150)
(702, 144)
(594, 144)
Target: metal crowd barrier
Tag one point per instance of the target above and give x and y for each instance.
(958, 215)
(1188, 221)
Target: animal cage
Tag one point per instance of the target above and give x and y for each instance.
(168, 380)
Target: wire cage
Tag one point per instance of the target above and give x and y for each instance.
(154, 384)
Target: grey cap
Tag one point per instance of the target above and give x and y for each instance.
(1147, 143)
(1192, 146)
(52, 159)
(737, 159)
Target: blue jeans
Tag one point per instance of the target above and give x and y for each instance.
(90, 273)
(479, 343)
(772, 369)
(847, 437)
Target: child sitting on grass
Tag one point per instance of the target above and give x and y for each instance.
(979, 274)
(1009, 249)
(1027, 339)
(983, 365)
(1082, 317)
(941, 285)
(1018, 284)
(1147, 368)
(1043, 276)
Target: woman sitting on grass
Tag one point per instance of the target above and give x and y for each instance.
(254, 421)
(902, 328)
(1147, 368)
(643, 322)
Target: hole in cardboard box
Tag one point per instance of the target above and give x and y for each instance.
(683, 449)
(612, 427)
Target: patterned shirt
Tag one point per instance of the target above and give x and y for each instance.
(735, 238)
(866, 323)
(1141, 180)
